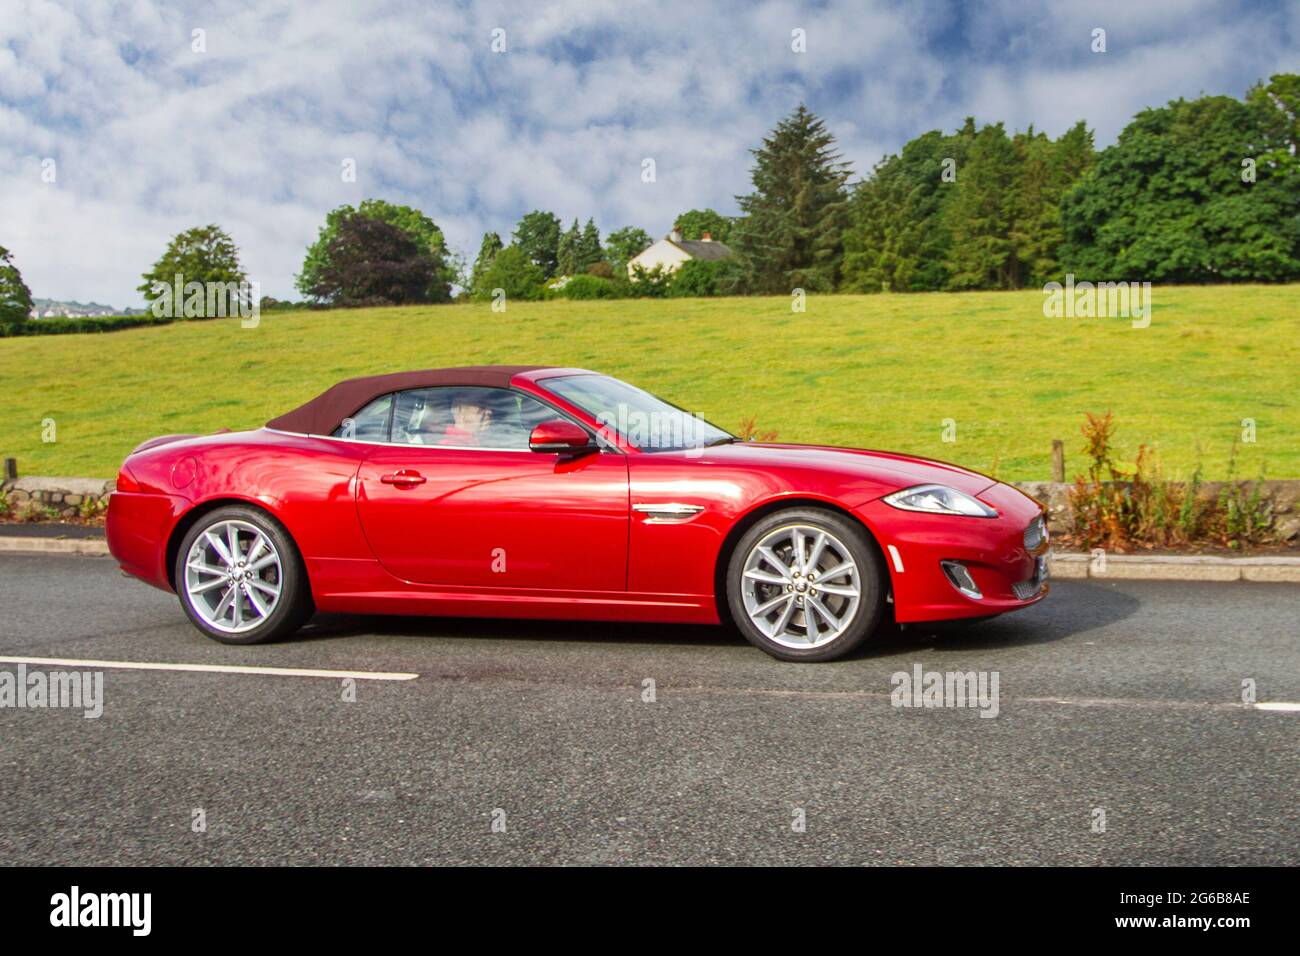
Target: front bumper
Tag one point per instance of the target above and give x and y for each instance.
(1008, 573)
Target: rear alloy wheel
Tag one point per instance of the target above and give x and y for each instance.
(240, 578)
(805, 585)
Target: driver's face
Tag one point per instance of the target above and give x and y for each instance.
(470, 417)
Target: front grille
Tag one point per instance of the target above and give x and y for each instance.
(1035, 534)
(1024, 590)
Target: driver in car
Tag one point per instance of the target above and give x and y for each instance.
(469, 419)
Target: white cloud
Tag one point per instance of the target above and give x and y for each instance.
(152, 138)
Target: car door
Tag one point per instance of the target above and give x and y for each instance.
(452, 502)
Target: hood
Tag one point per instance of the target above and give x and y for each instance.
(887, 468)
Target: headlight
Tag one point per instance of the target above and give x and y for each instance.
(939, 500)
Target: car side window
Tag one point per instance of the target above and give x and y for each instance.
(467, 417)
(368, 424)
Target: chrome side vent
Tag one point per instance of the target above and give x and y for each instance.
(668, 511)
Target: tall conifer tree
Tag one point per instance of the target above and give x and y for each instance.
(792, 230)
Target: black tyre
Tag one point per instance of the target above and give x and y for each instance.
(240, 577)
(805, 584)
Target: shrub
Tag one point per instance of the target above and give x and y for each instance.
(588, 287)
(512, 272)
(1191, 508)
(748, 431)
(268, 304)
(92, 508)
(106, 323)
(650, 283)
(1243, 514)
(553, 288)
(32, 510)
(698, 278)
(1120, 507)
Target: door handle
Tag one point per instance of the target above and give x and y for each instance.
(404, 478)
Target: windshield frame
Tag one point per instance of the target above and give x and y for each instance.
(610, 432)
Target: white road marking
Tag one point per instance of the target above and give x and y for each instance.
(1007, 701)
(898, 561)
(209, 668)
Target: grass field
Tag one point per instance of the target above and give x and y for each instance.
(870, 371)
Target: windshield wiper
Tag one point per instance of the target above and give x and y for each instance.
(728, 440)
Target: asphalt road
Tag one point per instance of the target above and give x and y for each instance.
(1124, 697)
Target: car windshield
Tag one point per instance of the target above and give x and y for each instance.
(649, 423)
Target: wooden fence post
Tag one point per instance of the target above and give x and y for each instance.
(11, 469)
(1058, 460)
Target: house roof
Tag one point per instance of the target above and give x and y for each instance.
(699, 249)
(322, 414)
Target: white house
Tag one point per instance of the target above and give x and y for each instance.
(671, 251)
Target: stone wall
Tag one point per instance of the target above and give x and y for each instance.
(64, 495)
(1283, 496)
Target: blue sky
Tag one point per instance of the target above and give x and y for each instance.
(150, 137)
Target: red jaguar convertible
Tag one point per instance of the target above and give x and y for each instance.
(527, 491)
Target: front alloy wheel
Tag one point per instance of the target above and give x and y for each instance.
(805, 585)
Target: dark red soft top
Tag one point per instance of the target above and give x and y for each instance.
(322, 414)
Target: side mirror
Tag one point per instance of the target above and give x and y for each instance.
(558, 435)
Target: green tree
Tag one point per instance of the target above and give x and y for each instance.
(898, 238)
(588, 249)
(1172, 200)
(15, 297)
(1003, 202)
(696, 222)
(566, 251)
(487, 251)
(204, 254)
(538, 236)
(792, 231)
(1276, 107)
(982, 254)
(514, 273)
(424, 232)
(1046, 170)
(625, 244)
(371, 262)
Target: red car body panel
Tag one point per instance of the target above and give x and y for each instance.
(495, 533)
(483, 517)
